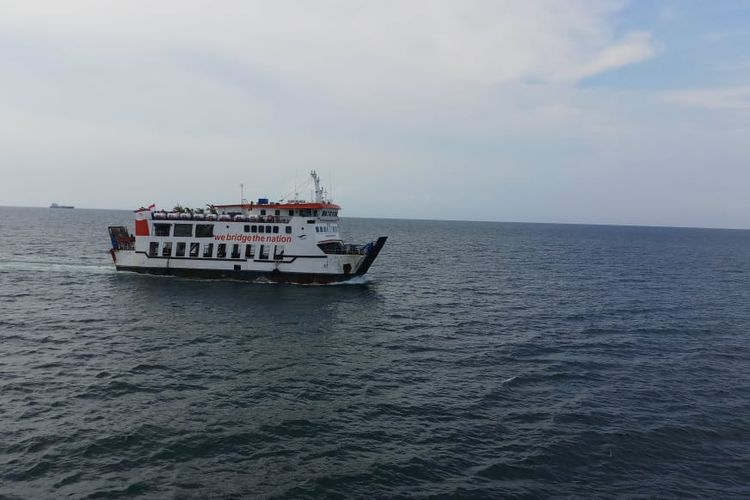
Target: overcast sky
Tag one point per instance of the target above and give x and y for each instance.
(550, 111)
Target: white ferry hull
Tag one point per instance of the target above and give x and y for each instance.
(301, 270)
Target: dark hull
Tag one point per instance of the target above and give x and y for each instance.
(273, 276)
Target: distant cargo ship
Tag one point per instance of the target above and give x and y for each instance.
(55, 205)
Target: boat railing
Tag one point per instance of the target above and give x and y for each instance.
(124, 245)
(357, 249)
(267, 219)
(121, 239)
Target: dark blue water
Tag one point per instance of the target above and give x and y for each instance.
(481, 360)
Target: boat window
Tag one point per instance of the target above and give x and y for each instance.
(247, 228)
(204, 230)
(249, 251)
(183, 230)
(315, 213)
(194, 249)
(277, 212)
(288, 229)
(268, 229)
(263, 211)
(275, 229)
(153, 249)
(263, 253)
(180, 250)
(306, 212)
(291, 213)
(253, 229)
(236, 251)
(278, 252)
(221, 251)
(208, 250)
(162, 229)
(166, 250)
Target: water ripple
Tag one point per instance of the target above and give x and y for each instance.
(507, 361)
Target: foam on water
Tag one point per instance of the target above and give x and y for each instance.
(357, 280)
(54, 267)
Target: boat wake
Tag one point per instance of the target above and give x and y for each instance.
(357, 280)
(55, 267)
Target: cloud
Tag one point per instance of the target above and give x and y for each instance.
(340, 44)
(398, 100)
(728, 98)
(635, 47)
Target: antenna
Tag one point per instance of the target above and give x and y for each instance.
(318, 189)
(242, 193)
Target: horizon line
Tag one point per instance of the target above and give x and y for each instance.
(611, 224)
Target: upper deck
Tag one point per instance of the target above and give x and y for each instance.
(279, 210)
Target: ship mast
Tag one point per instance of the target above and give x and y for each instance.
(318, 189)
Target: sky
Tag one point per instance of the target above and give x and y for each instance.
(570, 111)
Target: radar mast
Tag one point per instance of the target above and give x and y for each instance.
(318, 190)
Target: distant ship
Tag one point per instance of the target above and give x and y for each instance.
(55, 205)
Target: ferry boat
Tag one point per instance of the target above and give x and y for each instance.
(55, 205)
(294, 241)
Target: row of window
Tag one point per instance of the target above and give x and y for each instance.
(236, 251)
(326, 229)
(184, 230)
(305, 212)
(263, 212)
(252, 228)
(207, 230)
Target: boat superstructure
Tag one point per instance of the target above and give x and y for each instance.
(293, 241)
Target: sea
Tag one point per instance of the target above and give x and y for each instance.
(475, 360)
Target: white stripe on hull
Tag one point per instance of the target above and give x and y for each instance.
(327, 264)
